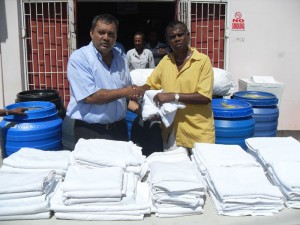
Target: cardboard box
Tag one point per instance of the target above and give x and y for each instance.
(256, 83)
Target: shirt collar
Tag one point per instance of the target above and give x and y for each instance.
(97, 53)
(196, 54)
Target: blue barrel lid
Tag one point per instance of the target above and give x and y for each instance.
(36, 110)
(257, 98)
(231, 108)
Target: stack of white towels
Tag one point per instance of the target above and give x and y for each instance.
(177, 188)
(100, 194)
(280, 157)
(108, 153)
(236, 182)
(26, 195)
(35, 160)
(103, 183)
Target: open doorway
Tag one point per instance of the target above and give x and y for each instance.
(133, 17)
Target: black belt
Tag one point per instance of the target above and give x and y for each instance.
(108, 126)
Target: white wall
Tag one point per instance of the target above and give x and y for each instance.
(270, 45)
(10, 61)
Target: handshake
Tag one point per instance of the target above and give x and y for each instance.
(136, 93)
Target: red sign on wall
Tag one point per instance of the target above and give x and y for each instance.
(238, 22)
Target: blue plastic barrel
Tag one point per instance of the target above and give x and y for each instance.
(43, 95)
(233, 121)
(41, 128)
(265, 111)
(130, 117)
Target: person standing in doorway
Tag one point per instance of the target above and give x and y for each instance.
(100, 84)
(139, 57)
(158, 49)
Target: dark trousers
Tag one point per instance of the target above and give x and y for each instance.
(115, 131)
(146, 136)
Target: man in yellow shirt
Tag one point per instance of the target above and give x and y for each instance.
(186, 76)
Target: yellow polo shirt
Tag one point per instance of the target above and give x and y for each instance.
(195, 123)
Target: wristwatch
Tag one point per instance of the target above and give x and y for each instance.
(176, 97)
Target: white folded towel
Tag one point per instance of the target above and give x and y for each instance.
(179, 154)
(195, 187)
(86, 179)
(235, 209)
(274, 149)
(18, 195)
(25, 209)
(177, 211)
(23, 202)
(271, 142)
(242, 183)
(107, 153)
(104, 182)
(288, 174)
(97, 217)
(31, 158)
(27, 182)
(8, 169)
(177, 171)
(141, 202)
(34, 216)
(222, 155)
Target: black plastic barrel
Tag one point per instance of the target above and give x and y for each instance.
(265, 110)
(41, 128)
(233, 121)
(43, 95)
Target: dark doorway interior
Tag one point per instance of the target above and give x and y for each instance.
(133, 17)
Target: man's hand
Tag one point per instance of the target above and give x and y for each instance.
(161, 98)
(138, 92)
(17, 111)
(135, 94)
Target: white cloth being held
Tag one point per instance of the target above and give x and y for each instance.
(167, 111)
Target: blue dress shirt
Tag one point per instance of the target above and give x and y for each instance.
(87, 74)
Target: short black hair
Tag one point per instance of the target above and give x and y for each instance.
(106, 18)
(140, 33)
(175, 23)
